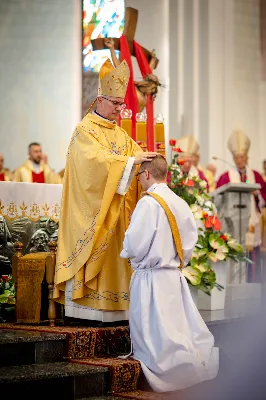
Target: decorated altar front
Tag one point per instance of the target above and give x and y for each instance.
(29, 213)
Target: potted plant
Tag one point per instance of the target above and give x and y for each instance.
(7, 298)
(213, 247)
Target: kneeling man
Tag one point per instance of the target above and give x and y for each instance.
(169, 337)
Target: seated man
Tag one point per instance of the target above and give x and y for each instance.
(168, 335)
(36, 168)
(5, 174)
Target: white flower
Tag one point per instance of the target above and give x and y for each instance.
(203, 184)
(200, 225)
(235, 245)
(214, 209)
(210, 208)
(209, 204)
(197, 211)
(200, 199)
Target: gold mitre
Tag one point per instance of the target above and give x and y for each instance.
(188, 145)
(113, 81)
(238, 143)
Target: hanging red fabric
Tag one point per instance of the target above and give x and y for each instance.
(131, 96)
(145, 70)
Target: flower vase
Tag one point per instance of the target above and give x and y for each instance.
(216, 301)
(194, 294)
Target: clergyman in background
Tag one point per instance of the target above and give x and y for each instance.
(239, 145)
(36, 168)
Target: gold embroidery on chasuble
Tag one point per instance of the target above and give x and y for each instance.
(94, 217)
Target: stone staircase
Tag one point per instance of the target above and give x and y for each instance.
(39, 362)
(33, 365)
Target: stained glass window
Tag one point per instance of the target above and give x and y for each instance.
(101, 18)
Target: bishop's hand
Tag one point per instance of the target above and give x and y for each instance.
(145, 156)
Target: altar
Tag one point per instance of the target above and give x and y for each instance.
(29, 213)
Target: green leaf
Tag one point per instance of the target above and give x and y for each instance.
(201, 265)
(233, 244)
(215, 241)
(198, 252)
(204, 288)
(192, 274)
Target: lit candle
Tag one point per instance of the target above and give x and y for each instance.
(126, 121)
(141, 127)
(159, 134)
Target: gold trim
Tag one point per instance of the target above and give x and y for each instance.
(33, 212)
(173, 226)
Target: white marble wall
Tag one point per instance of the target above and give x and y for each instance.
(248, 74)
(215, 77)
(209, 62)
(40, 77)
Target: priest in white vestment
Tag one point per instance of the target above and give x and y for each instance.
(168, 335)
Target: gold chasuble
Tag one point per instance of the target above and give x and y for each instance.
(94, 217)
(26, 173)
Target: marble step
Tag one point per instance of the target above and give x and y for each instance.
(48, 381)
(18, 347)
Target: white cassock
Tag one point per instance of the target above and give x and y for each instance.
(168, 335)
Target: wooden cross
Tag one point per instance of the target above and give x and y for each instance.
(131, 19)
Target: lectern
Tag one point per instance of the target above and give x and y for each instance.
(233, 204)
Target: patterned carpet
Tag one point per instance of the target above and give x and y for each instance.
(85, 342)
(124, 374)
(101, 346)
(142, 395)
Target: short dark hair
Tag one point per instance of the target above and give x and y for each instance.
(33, 144)
(264, 161)
(157, 167)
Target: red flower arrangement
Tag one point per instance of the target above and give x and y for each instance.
(4, 278)
(223, 237)
(188, 182)
(172, 142)
(213, 222)
(180, 162)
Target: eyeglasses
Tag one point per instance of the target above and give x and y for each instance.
(116, 103)
(138, 174)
